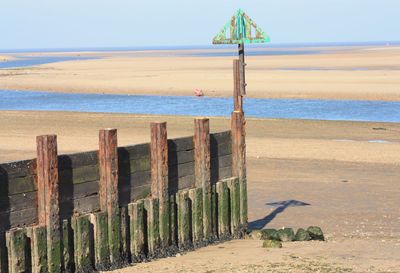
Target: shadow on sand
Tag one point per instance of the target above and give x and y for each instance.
(279, 208)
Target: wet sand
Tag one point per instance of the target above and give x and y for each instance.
(342, 176)
(367, 73)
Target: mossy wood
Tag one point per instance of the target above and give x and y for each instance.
(99, 210)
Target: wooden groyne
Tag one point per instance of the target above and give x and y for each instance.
(120, 205)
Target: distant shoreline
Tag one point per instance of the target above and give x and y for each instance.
(199, 47)
(335, 73)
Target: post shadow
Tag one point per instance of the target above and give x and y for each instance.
(280, 207)
(124, 177)
(4, 218)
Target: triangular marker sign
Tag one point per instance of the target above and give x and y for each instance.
(241, 30)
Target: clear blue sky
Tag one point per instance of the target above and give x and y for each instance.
(127, 23)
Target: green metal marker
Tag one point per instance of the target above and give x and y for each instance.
(241, 30)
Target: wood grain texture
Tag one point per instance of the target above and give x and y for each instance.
(108, 189)
(159, 177)
(202, 170)
(48, 197)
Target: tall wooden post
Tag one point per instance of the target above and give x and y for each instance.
(237, 97)
(108, 189)
(48, 198)
(159, 177)
(238, 135)
(242, 70)
(202, 170)
(239, 160)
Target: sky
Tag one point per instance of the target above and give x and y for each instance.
(28, 24)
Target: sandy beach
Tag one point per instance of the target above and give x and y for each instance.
(367, 73)
(342, 176)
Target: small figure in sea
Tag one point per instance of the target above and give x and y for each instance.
(198, 92)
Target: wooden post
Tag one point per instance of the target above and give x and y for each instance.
(173, 221)
(202, 170)
(196, 196)
(151, 206)
(234, 192)
(3, 253)
(68, 246)
(17, 256)
(223, 210)
(124, 234)
(83, 256)
(182, 200)
(237, 97)
(37, 234)
(242, 70)
(100, 234)
(159, 177)
(48, 198)
(239, 161)
(137, 230)
(108, 189)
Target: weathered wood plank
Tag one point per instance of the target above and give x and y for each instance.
(181, 183)
(100, 234)
(18, 185)
(196, 198)
(82, 242)
(180, 157)
(184, 225)
(18, 168)
(67, 246)
(221, 149)
(38, 240)
(221, 137)
(17, 251)
(77, 160)
(151, 206)
(125, 235)
(180, 144)
(134, 166)
(133, 194)
(48, 198)
(20, 218)
(137, 231)
(222, 161)
(71, 192)
(234, 197)
(108, 189)
(239, 160)
(181, 170)
(79, 206)
(18, 202)
(159, 177)
(134, 152)
(173, 222)
(223, 210)
(80, 175)
(220, 173)
(202, 170)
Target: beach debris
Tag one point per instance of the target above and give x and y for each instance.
(302, 235)
(316, 233)
(286, 234)
(269, 234)
(198, 92)
(272, 244)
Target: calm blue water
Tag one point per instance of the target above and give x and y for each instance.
(205, 106)
(31, 61)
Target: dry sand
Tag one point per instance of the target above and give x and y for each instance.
(300, 172)
(347, 73)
